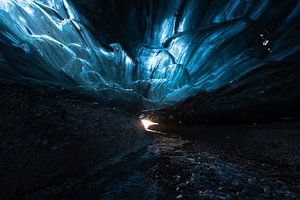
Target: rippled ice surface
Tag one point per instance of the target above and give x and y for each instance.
(183, 169)
(180, 54)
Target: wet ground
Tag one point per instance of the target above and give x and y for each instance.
(176, 168)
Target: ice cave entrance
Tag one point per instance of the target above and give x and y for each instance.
(51, 43)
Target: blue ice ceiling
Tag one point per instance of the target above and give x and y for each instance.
(151, 53)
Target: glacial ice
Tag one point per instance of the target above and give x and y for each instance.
(186, 47)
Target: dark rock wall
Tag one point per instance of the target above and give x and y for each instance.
(270, 94)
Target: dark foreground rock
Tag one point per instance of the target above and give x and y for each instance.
(52, 142)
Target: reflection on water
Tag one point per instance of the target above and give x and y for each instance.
(147, 123)
(176, 168)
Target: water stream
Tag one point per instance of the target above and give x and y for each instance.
(177, 168)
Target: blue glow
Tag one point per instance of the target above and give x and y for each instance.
(179, 56)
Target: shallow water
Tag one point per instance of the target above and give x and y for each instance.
(177, 168)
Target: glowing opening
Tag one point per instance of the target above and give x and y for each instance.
(147, 123)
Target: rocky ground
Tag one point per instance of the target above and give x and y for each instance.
(55, 144)
(52, 142)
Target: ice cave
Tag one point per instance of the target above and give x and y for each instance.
(216, 84)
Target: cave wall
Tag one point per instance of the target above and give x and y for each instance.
(152, 54)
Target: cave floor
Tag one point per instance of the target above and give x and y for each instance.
(177, 168)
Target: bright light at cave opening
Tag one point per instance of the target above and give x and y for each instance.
(147, 123)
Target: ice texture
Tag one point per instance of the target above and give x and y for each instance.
(167, 51)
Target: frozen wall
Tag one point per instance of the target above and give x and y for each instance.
(147, 53)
